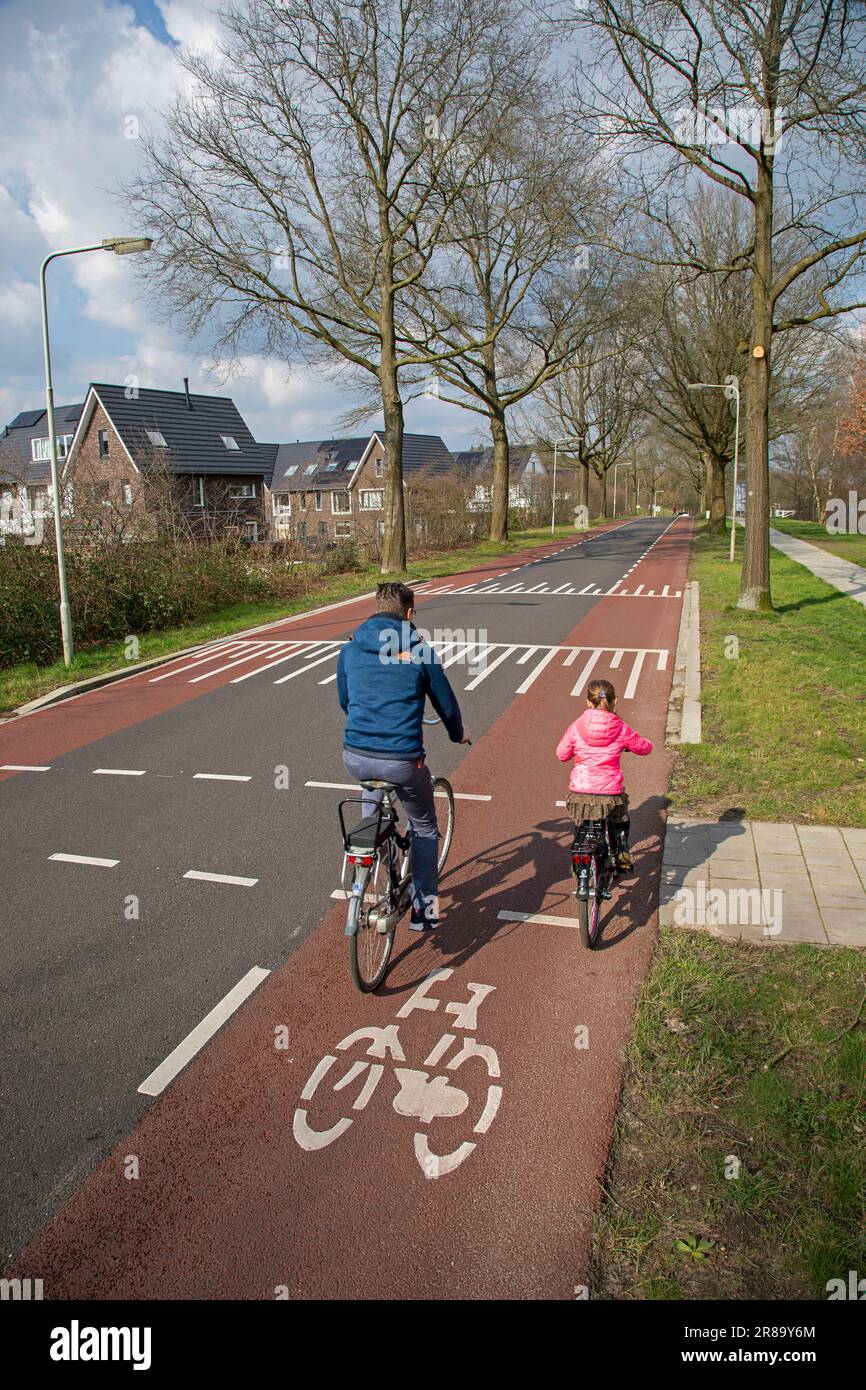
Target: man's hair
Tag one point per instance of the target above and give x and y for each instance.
(394, 598)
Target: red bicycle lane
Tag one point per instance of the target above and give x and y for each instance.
(44, 735)
(266, 1169)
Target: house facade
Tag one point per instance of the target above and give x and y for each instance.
(167, 459)
(526, 469)
(330, 490)
(25, 468)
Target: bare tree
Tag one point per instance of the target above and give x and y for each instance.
(504, 308)
(768, 100)
(298, 195)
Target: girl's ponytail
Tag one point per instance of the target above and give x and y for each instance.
(601, 695)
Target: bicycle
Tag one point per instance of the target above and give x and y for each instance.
(378, 851)
(594, 867)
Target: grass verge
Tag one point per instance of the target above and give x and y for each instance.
(740, 1153)
(847, 547)
(784, 699)
(27, 680)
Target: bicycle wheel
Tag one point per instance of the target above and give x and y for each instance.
(589, 908)
(444, 803)
(370, 948)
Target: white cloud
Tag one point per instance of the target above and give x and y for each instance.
(82, 81)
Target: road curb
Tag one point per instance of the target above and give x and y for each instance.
(684, 706)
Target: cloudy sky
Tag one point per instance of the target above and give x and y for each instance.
(77, 77)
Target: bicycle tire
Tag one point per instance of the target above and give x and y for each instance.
(369, 949)
(445, 791)
(589, 908)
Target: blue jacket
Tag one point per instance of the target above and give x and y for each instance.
(384, 675)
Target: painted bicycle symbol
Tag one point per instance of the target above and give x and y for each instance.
(419, 1095)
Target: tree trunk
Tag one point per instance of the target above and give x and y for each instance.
(755, 575)
(715, 493)
(583, 486)
(602, 478)
(499, 504)
(394, 537)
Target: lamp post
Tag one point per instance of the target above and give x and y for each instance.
(568, 439)
(121, 246)
(731, 388)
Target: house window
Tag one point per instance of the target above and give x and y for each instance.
(302, 501)
(372, 501)
(293, 468)
(102, 437)
(251, 531)
(198, 492)
(343, 530)
(126, 489)
(230, 442)
(319, 503)
(311, 468)
(380, 463)
(157, 439)
(282, 502)
(238, 490)
(341, 503)
(41, 453)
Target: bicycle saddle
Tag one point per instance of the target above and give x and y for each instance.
(374, 785)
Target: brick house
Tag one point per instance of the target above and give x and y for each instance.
(149, 452)
(330, 490)
(25, 467)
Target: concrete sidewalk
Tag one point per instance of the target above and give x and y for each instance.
(779, 882)
(841, 574)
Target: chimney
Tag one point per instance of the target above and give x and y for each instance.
(186, 389)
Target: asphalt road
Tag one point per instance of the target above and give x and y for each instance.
(107, 967)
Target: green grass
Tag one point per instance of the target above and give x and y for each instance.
(706, 1084)
(847, 547)
(27, 680)
(784, 722)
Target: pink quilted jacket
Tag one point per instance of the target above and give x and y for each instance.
(597, 741)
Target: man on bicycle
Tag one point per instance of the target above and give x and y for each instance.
(385, 673)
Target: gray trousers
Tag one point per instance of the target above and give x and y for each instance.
(416, 797)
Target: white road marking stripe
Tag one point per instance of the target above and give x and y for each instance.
(259, 650)
(23, 767)
(638, 590)
(221, 878)
(354, 787)
(539, 589)
(118, 772)
(664, 592)
(633, 678)
(85, 859)
(328, 679)
(257, 670)
(537, 919)
(616, 659)
(530, 651)
(202, 1033)
(545, 660)
(586, 673)
(662, 661)
(491, 667)
(301, 669)
(514, 589)
(218, 777)
(586, 589)
(214, 652)
(564, 589)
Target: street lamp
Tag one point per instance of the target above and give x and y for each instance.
(121, 246)
(568, 439)
(731, 388)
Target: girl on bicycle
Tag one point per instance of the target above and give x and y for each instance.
(596, 741)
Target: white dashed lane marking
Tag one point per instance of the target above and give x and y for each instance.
(85, 859)
(202, 1033)
(118, 772)
(236, 879)
(354, 787)
(23, 767)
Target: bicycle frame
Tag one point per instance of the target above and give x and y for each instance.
(385, 839)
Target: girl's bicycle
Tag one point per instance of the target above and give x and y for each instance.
(377, 874)
(594, 868)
